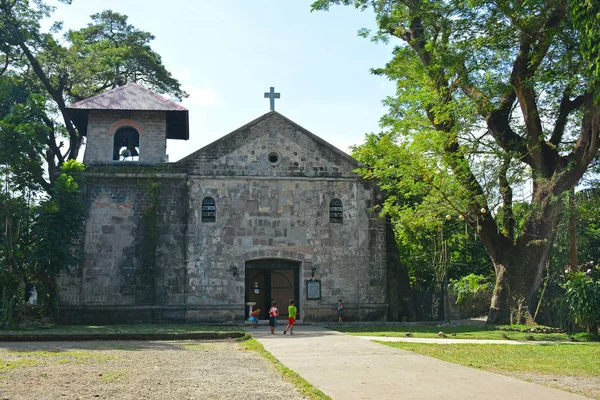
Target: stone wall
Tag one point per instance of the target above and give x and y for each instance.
(148, 256)
(280, 209)
(102, 125)
(245, 152)
(133, 249)
(289, 219)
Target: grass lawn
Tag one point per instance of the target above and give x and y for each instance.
(557, 359)
(465, 332)
(120, 329)
(572, 367)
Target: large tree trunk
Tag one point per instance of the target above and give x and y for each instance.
(520, 266)
(518, 278)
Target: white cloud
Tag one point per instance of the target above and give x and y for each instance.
(203, 96)
(199, 95)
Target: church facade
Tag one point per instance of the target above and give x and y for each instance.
(269, 212)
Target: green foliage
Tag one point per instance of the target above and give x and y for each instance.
(419, 214)
(57, 227)
(22, 135)
(586, 211)
(586, 20)
(553, 310)
(38, 238)
(41, 72)
(491, 97)
(582, 297)
(109, 52)
(467, 287)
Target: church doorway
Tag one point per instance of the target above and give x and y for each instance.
(271, 280)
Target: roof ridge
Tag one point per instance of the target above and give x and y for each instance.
(133, 85)
(97, 96)
(155, 95)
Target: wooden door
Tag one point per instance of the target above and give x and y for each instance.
(271, 280)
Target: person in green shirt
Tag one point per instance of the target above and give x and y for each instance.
(292, 312)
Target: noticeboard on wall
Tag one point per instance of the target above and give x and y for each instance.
(313, 290)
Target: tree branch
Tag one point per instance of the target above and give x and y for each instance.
(415, 37)
(520, 80)
(57, 96)
(52, 140)
(38, 70)
(508, 220)
(498, 120)
(567, 106)
(532, 51)
(5, 67)
(585, 150)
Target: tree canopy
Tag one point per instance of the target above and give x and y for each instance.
(40, 74)
(492, 96)
(65, 68)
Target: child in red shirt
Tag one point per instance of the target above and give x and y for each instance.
(254, 318)
(273, 314)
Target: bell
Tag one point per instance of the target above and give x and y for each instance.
(131, 146)
(133, 151)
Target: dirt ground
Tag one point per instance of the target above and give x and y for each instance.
(138, 370)
(585, 386)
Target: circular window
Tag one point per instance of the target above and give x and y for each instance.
(274, 158)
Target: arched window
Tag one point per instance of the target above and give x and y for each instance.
(336, 212)
(126, 145)
(209, 210)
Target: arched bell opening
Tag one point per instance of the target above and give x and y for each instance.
(126, 145)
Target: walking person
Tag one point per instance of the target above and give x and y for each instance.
(292, 311)
(273, 314)
(340, 309)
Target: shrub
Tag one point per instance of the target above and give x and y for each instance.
(582, 298)
(467, 287)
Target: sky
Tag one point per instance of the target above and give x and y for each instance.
(228, 53)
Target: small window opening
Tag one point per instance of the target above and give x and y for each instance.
(274, 158)
(209, 210)
(126, 145)
(336, 212)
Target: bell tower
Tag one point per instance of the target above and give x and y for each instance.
(128, 124)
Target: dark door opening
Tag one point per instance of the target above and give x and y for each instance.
(271, 280)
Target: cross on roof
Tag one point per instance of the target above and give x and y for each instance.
(272, 96)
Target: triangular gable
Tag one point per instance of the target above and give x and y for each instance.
(245, 151)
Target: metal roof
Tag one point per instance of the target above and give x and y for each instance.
(127, 97)
(132, 97)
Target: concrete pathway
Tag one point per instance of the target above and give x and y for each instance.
(348, 367)
(462, 341)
